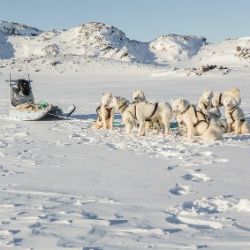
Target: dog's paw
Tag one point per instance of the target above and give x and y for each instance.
(155, 132)
(186, 139)
(197, 140)
(139, 135)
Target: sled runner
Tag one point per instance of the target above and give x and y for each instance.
(24, 107)
(61, 113)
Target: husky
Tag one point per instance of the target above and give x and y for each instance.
(195, 121)
(205, 105)
(218, 98)
(235, 117)
(105, 113)
(221, 124)
(158, 113)
(128, 112)
(138, 96)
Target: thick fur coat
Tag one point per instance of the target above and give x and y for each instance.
(235, 117)
(196, 122)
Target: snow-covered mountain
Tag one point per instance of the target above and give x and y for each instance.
(97, 40)
(23, 47)
(178, 46)
(18, 29)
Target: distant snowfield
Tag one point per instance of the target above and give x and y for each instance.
(64, 185)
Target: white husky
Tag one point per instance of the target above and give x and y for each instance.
(139, 96)
(158, 113)
(105, 113)
(235, 116)
(205, 105)
(127, 110)
(195, 121)
(218, 98)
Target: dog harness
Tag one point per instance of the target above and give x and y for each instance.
(134, 115)
(154, 111)
(231, 115)
(219, 103)
(148, 119)
(205, 118)
(124, 106)
(185, 110)
(205, 105)
(107, 116)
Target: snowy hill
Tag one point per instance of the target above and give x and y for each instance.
(177, 47)
(18, 29)
(79, 48)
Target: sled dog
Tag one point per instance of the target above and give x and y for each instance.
(105, 113)
(128, 112)
(158, 113)
(221, 124)
(139, 96)
(205, 105)
(195, 121)
(235, 117)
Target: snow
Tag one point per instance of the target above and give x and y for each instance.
(66, 186)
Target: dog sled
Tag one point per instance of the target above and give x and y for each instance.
(23, 106)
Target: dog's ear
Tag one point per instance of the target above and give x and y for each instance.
(182, 101)
(204, 90)
(134, 91)
(171, 100)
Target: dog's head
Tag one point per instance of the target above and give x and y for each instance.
(179, 105)
(207, 95)
(138, 96)
(23, 86)
(229, 102)
(107, 100)
(119, 101)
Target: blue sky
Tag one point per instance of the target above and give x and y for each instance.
(142, 20)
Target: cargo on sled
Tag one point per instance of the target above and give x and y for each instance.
(24, 107)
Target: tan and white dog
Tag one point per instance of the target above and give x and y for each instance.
(128, 112)
(195, 121)
(205, 105)
(235, 117)
(105, 113)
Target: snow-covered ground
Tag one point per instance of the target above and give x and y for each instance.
(66, 186)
